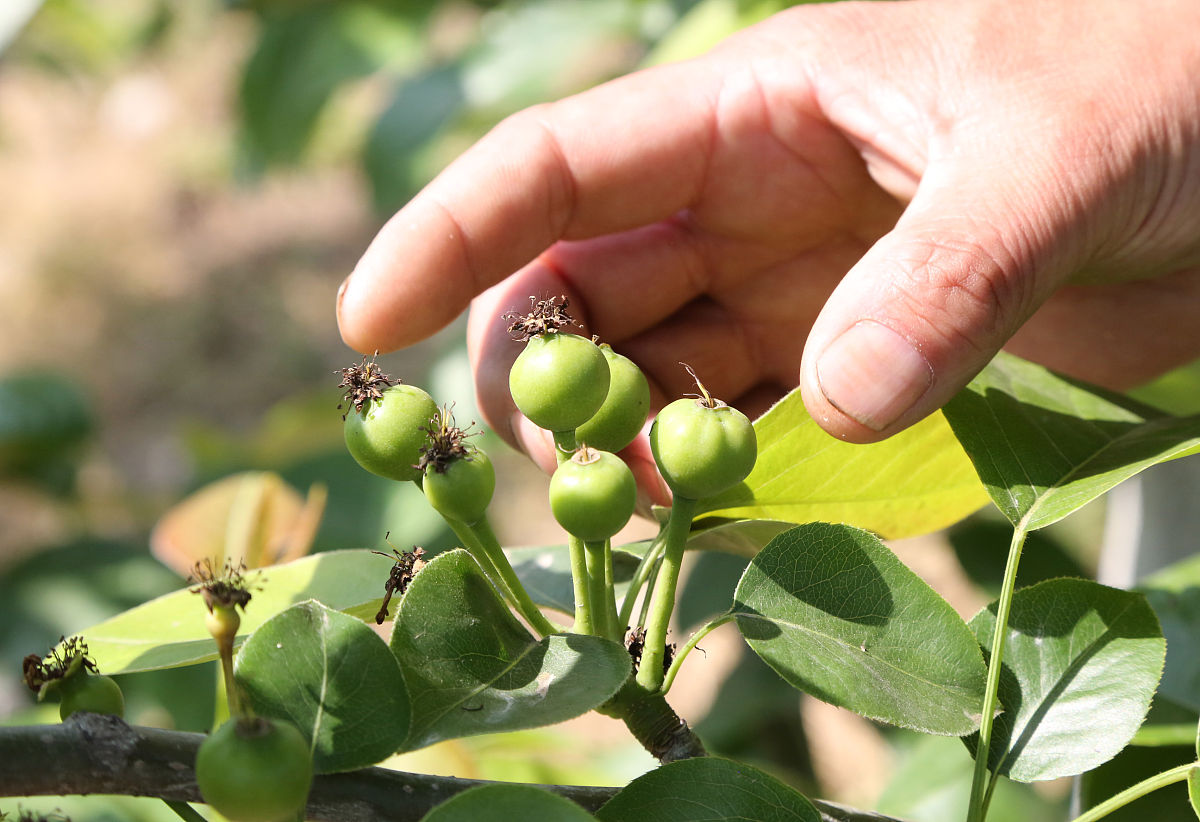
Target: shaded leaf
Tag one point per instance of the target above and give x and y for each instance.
(169, 631)
(932, 783)
(1081, 663)
(422, 106)
(333, 678)
(744, 537)
(1168, 803)
(1045, 445)
(302, 57)
(837, 615)
(707, 789)
(913, 483)
(1174, 594)
(504, 803)
(546, 574)
(472, 668)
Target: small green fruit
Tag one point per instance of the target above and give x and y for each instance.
(255, 770)
(387, 435)
(625, 407)
(462, 489)
(559, 381)
(83, 691)
(593, 494)
(702, 446)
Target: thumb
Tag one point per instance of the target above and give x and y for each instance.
(933, 300)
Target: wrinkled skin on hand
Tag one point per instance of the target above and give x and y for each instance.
(942, 178)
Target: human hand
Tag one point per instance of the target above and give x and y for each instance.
(912, 186)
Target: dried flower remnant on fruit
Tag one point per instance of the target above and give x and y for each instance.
(544, 317)
(703, 398)
(224, 588)
(635, 643)
(364, 383)
(65, 658)
(405, 567)
(445, 442)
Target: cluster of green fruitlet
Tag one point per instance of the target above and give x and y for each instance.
(594, 402)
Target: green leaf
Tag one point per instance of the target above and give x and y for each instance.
(546, 574)
(833, 611)
(913, 483)
(1081, 663)
(1174, 594)
(504, 803)
(302, 57)
(744, 537)
(421, 108)
(472, 668)
(1193, 785)
(707, 789)
(1045, 445)
(932, 783)
(169, 631)
(333, 678)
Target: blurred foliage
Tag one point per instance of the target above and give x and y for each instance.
(45, 419)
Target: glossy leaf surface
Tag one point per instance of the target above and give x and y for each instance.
(913, 483)
(707, 789)
(837, 615)
(1045, 446)
(333, 678)
(472, 668)
(1081, 663)
(169, 631)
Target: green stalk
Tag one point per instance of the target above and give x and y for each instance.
(564, 445)
(616, 630)
(479, 539)
(594, 553)
(640, 575)
(527, 607)
(977, 807)
(700, 634)
(1137, 791)
(184, 811)
(662, 602)
(580, 584)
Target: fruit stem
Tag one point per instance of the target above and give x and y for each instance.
(580, 582)
(490, 546)
(662, 601)
(642, 573)
(616, 630)
(597, 599)
(564, 445)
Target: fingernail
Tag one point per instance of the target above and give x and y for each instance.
(873, 374)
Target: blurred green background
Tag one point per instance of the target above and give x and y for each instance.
(185, 185)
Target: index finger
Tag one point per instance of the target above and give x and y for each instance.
(627, 153)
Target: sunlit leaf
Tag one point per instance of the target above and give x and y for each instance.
(707, 789)
(1081, 663)
(913, 483)
(472, 668)
(169, 631)
(333, 678)
(1045, 445)
(836, 614)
